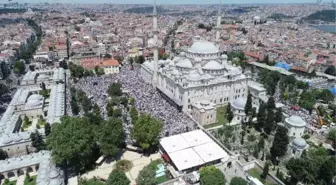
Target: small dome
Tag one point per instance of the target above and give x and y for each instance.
(239, 103)
(185, 63)
(256, 18)
(203, 47)
(34, 100)
(194, 76)
(56, 182)
(299, 142)
(213, 65)
(295, 121)
(224, 56)
(54, 173)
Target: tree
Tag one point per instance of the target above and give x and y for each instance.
(331, 70)
(47, 129)
(271, 103)
(147, 174)
(37, 141)
(72, 142)
(265, 171)
(19, 67)
(248, 105)
(210, 175)
(297, 169)
(111, 137)
(134, 114)
(3, 89)
(117, 113)
(269, 126)
(229, 112)
(117, 178)
(261, 143)
(114, 90)
(326, 95)
(3, 154)
(332, 135)
(278, 116)
(261, 117)
(146, 131)
(328, 170)
(280, 142)
(238, 181)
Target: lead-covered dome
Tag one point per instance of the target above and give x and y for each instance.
(203, 47)
(299, 142)
(295, 121)
(34, 100)
(239, 103)
(213, 65)
(185, 63)
(194, 76)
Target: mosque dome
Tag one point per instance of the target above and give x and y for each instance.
(34, 100)
(213, 65)
(194, 76)
(54, 173)
(295, 121)
(203, 47)
(239, 103)
(185, 63)
(256, 18)
(299, 142)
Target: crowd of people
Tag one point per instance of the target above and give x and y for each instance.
(147, 99)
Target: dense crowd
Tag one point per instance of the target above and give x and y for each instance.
(147, 99)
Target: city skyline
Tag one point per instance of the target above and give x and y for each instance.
(165, 1)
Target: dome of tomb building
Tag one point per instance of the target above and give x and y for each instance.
(295, 121)
(299, 142)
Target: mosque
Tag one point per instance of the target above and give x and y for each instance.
(198, 74)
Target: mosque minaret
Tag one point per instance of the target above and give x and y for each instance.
(155, 46)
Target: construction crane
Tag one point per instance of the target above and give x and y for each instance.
(319, 121)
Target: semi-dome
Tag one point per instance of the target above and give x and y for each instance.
(203, 47)
(213, 65)
(185, 63)
(296, 121)
(299, 142)
(34, 100)
(54, 173)
(224, 56)
(239, 103)
(194, 76)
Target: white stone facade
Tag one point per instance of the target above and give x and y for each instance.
(204, 112)
(295, 125)
(297, 146)
(237, 108)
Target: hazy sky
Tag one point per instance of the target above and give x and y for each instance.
(165, 1)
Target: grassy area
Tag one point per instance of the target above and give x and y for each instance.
(94, 182)
(221, 115)
(254, 172)
(212, 125)
(31, 181)
(41, 123)
(10, 183)
(161, 179)
(25, 125)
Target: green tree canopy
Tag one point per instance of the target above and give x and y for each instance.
(331, 70)
(280, 142)
(3, 89)
(3, 154)
(238, 181)
(47, 129)
(114, 90)
(147, 174)
(229, 112)
(210, 175)
(117, 178)
(146, 131)
(72, 142)
(332, 135)
(111, 136)
(271, 103)
(19, 67)
(37, 141)
(278, 115)
(248, 105)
